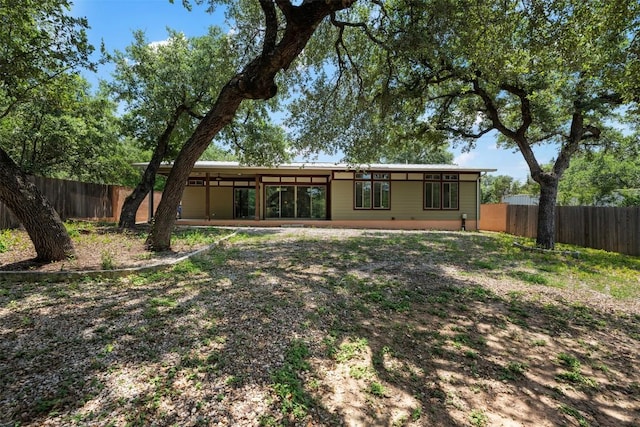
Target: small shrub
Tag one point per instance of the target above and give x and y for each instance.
(106, 260)
(478, 418)
(5, 240)
(351, 349)
(513, 370)
(377, 389)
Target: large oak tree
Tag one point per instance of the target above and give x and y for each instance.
(285, 31)
(538, 72)
(165, 88)
(38, 43)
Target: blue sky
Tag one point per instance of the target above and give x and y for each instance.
(113, 22)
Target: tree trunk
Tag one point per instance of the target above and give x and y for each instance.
(46, 230)
(133, 201)
(547, 211)
(221, 114)
(255, 81)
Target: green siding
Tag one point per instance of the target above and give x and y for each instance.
(406, 203)
(193, 203)
(221, 202)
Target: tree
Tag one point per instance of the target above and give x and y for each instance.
(67, 132)
(495, 187)
(165, 88)
(537, 72)
(416, 152)
(603, 177)
(38, 43)
(286, 31)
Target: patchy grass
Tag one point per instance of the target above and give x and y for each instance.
(330, 327)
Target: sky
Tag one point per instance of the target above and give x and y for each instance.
(113, 22)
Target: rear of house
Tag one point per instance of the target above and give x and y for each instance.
(322, 194)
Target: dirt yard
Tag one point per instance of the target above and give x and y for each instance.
(316, 327)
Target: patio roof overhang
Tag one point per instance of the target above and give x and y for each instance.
(202, 168)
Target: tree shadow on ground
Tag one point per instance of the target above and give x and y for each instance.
(281, 329)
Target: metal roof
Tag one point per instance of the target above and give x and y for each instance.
(331, 166)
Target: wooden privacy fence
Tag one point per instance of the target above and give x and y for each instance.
(608, 228)
(72, 199)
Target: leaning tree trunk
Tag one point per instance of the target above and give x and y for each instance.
(46, 230)
(546, 237)
(255, 81)
(133, 201)
(221, 114)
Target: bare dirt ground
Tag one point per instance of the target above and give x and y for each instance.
(323, 328)
(97, 248)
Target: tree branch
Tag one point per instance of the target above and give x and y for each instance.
(271, 26)
(518, 137)
(525, 107)
(344, 24)
(463, 133)
(338, 45)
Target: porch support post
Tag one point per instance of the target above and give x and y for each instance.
(207, 208)
(257, 213)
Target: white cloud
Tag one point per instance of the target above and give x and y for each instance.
(463, 159)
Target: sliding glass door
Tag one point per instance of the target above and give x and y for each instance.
(296, 201)
(245, 203)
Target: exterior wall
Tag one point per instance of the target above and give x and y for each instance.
(406, 203)
(406, 198)
(193, 203)
(221, 202)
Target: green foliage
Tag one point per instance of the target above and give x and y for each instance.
(582, 421)
(6, 240)
(494, 188)
(171, 80)
(443, 70)
(377, 389)
(176, 81)
(478, 418)
(50, 124)
(574, 375)
(67, 132)
(416, 152)
(351, 349)
(513, 370)
(106, 260)
(287, 385)
(39, 41)
(604, 177)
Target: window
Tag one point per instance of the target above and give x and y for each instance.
(441, 191)
(372, 191)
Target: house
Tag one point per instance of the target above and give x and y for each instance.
(401, 196)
